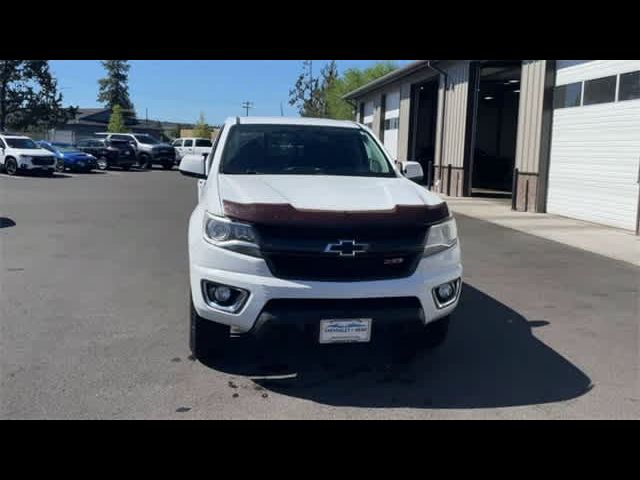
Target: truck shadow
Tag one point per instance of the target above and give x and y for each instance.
(6, 222)
(490, 359)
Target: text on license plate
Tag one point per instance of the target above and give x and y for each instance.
(345, 330)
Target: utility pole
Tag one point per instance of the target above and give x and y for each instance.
(281, 112)
(247, 105)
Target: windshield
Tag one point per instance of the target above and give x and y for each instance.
(25, 143)
(146, 139)
(302, 150)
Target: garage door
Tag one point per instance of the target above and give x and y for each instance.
(595, 146)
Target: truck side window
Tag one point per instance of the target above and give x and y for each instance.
(188, 143)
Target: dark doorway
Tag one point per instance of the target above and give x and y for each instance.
(496, 129)
(423, 132)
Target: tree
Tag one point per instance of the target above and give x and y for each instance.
(29, 96)
(114, 88)
(322, 96)
(116, 121)
(350, 80)
(175, 131)
(309, 93)
(201, 129)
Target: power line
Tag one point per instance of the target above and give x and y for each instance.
(247, 105)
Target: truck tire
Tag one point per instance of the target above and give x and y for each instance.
(11, 166)
(102, 163)
(144, 161)
(207, 339)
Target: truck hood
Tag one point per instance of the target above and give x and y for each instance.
(31, 152)
(323, 192)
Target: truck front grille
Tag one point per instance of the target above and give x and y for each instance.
(300, 253)
(43, 161)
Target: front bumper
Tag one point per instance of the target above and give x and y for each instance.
(335, 296)
(81, 164)
(162, 157)
(29, 165)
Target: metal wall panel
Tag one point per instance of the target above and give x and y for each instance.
(528, 140)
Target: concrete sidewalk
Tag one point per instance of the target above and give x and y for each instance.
(599, 239)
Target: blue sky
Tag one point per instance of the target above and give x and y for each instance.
(178, 90)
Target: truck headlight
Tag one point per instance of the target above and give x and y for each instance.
(26, 158)
(441, 237)
(235, 236)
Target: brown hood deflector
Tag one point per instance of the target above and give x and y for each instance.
(286, 214)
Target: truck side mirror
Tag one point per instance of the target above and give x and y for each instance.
(413, 171)
(193, 165)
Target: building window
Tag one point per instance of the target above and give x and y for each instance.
(629, 86)
(392, 123)
(567, 95)
(600, 90)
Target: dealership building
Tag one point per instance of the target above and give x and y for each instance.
(556, 136)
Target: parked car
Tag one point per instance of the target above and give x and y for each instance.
(191, 145)
(149, 151)
(307, 225)
(109, 153)
(20, 154)
(69, 157)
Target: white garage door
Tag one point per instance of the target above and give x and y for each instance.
(595, 147)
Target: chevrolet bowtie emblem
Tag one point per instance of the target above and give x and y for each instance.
(346, 248)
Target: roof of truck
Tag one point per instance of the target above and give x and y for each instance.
(320, 122)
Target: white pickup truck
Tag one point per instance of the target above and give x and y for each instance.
(307, 225)
(191, 146)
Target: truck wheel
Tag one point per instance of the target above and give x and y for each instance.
(434, 334)
(144, 161)
(207, 339)
(102, 163)
(11, 166)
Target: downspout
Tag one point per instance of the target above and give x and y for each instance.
(354, 105)
(443, 114)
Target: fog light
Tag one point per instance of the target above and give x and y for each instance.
(222, 294)
(224, 297)
(447, 293)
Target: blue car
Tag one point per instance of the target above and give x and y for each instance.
(69, 157)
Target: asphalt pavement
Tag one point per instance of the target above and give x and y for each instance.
(94, 319)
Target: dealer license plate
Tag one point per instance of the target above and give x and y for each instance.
(347, 330)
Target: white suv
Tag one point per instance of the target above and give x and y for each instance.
(305, 224)
(19, 154)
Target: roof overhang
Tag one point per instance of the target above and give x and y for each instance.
(388, 78)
